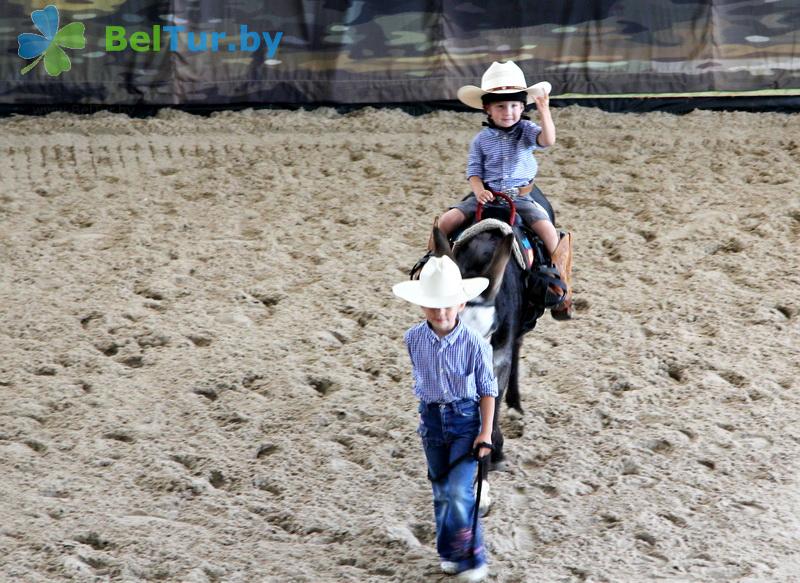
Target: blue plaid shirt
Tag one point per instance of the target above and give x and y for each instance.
(458, 366)
(505, 159)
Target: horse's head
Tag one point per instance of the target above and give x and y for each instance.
(484, 255)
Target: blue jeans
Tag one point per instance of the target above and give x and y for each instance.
(448, 431)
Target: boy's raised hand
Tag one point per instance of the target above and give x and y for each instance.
(542, 102)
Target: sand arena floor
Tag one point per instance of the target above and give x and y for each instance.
(203, 377)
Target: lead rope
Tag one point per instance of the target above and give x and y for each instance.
(476, 511)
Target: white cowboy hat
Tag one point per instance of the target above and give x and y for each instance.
(440, 285)
(501, 78)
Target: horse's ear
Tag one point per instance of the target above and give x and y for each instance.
(441, 246)
(497, 267)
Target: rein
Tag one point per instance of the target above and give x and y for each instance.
(504, 196)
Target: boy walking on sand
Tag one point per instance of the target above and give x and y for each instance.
(455, 384)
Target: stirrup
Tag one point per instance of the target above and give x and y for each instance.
(555, 294)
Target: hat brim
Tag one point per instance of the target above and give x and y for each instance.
(471, 95)
(412, 291)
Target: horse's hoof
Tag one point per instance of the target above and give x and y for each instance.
(500, 466)
(514, 413)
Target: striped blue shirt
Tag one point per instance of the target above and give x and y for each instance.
(457, 366)
(505, 159)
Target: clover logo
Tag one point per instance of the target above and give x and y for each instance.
(49, 46)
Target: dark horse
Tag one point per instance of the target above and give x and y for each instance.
(503, 313)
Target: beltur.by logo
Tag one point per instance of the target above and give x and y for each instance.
(117, 39)
(48, 45)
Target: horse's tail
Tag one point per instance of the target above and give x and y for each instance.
(512, 391)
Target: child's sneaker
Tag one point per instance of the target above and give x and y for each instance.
(474, 575)
(449, 567)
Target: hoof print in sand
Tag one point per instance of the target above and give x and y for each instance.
(217, 479)
(268, 300)
(629, 468)
(373, 369)
(675, 371)
(121, 436)
(581, 304)
(36, 446)
(46, 370)
(88, 321)
(322, 385)
(94, 540)
(149, 293)
(253, 381)
(153, 297)
(612, 250)
(732, 245)
(206, 392)
(646, 538)
(610, 521)
(733, 378)
(135, 361)
(230, 419)
(661, 446)
(152, 340)
(362, 317)
(107, 347)
(266, 450)
(513, 428)
(708, 464)
(267, 485)
(188, 461)
(750, 507)
(339, 337)
(547, 490)
(200, 340)
(676, 520)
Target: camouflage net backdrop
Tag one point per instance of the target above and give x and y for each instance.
(408, 51)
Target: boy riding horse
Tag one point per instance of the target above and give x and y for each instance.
(501, 161)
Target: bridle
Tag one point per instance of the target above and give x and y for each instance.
(478, 215)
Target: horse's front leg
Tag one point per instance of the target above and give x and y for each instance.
(502, 370)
